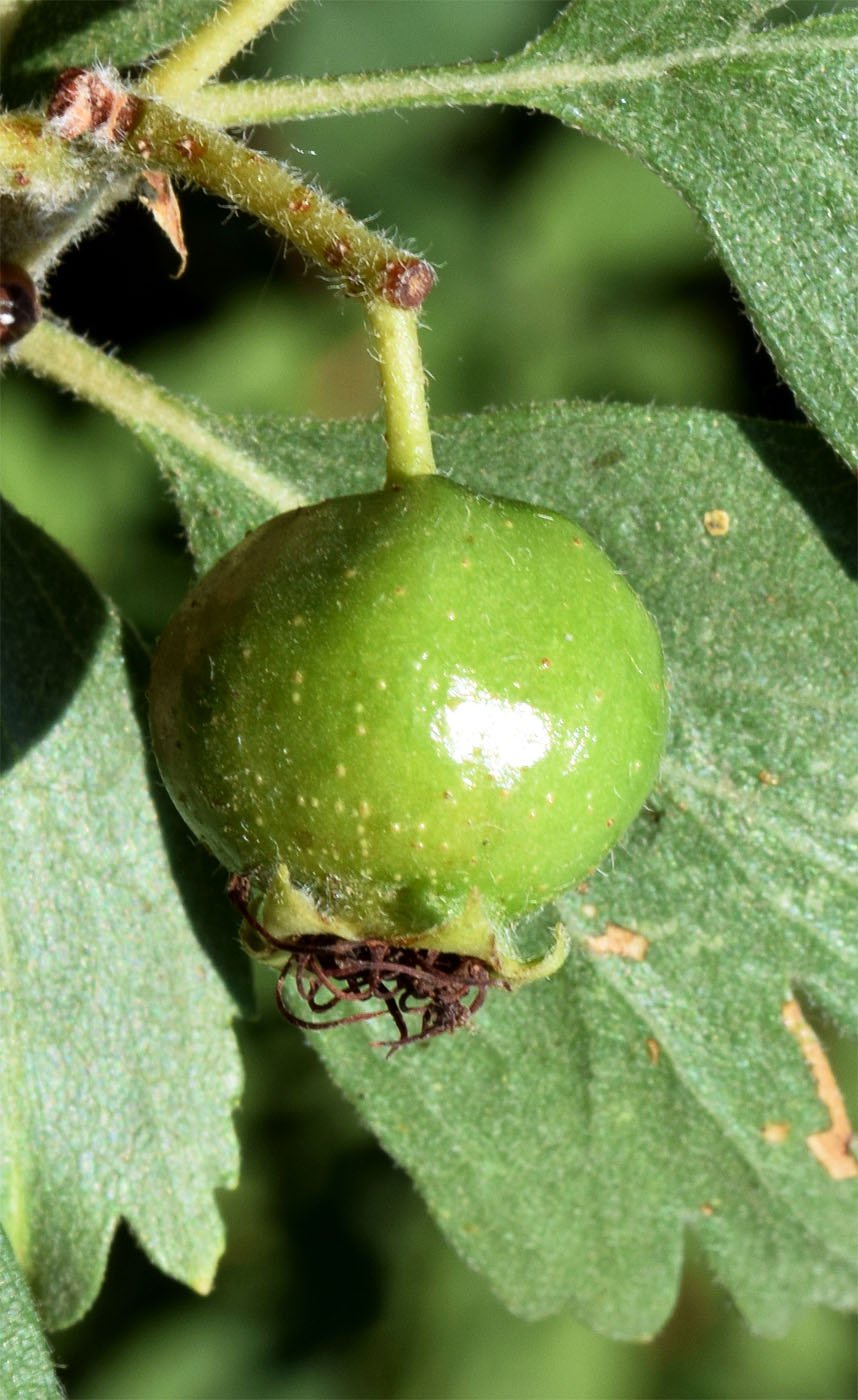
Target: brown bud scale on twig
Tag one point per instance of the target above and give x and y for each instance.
(91, 102)
(407, 282)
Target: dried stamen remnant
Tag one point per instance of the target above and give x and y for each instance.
(334, 974)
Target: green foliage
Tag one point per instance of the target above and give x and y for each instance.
(113, 1009)
(50, 36)
(569, 1144)
(742, 888)
(757, 127)
(25, 1365)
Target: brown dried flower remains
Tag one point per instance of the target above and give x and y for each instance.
(334, 974)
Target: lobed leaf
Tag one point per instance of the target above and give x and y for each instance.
(567, 1145)
(118, 1067)
(749, 110)
(26, 1372)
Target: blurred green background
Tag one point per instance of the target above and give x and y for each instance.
(566, 270)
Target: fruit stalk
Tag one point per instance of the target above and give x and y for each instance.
(392, 284)
(403, 385)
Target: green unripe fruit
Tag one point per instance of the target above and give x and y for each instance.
(414, 715)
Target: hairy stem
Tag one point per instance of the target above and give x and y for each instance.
(68, 190)
(403, 383)
(294, 99)
(520, 79)
(38, 162)
(54, 352)
(205, 52)
(366, 264)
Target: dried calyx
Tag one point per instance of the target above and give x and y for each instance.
(408, 720)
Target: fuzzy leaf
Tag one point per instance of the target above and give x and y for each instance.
(747, 108)
(750, 111)
(569, 1142)
(57, 34)
(118, 1067)
(26, 1372)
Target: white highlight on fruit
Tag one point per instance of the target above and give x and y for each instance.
(500, 736)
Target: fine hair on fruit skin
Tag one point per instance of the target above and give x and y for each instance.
(415, 715)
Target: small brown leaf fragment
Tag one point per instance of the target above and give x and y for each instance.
(653, 1049)
(620, 942)
(769, 779)
(831, 1148)
(716, 522)
(774, 1133)
(155, 190)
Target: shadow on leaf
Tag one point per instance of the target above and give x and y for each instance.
(199, 879)
(45, 649)
(816, 478)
